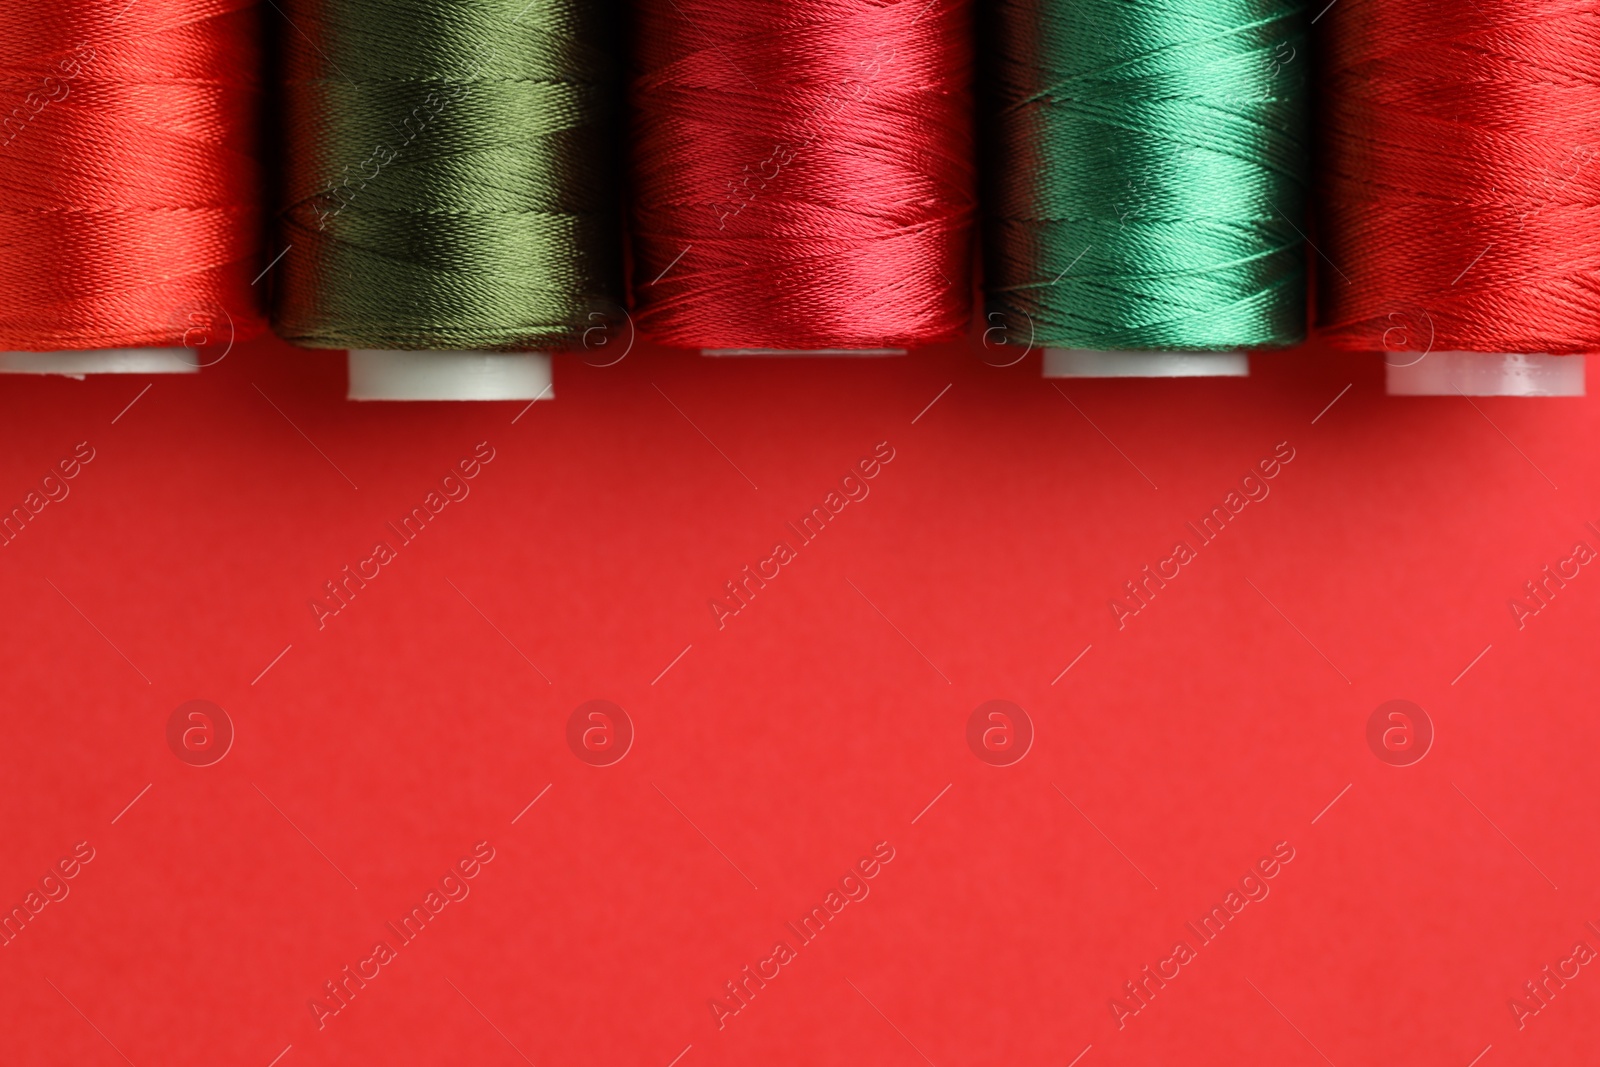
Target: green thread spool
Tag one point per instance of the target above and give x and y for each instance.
(451, 180)
(1146, 173)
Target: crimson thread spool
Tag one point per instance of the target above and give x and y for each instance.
(131, 219)
(803, 173)
(1461, 192)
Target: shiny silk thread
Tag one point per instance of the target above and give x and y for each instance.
(130, 177)
(803, 171)
(1146, 166)
(1460, 193)
(452, 173)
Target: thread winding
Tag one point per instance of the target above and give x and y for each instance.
(130, 184)
(452, 174)
(1146, 168)
(1460, 200)
(803, 172)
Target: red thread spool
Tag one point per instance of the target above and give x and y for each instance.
(1461, 188)
(130, 187)
(803, 172)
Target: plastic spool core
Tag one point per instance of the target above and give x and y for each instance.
(377, 374)
(1078, 363)
(78, 364)
(802, 352)
(1483, 374)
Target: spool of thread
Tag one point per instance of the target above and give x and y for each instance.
(452, 189)
(131, 223)
(1146, 166)
(1460, 202)
(803, 174)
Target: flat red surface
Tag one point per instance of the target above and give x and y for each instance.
(774, 753)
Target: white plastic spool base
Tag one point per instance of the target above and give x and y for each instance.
(78, 364)
(802, 351)
(1077, 363)
(377, 374)
(1484, 374)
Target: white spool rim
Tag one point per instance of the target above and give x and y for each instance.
(1080, 363)
(380, 374)
(1483, 374)
(80, 363)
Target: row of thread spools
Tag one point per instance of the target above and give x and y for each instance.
(450, 188)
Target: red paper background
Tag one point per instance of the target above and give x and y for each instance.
(821, 720)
